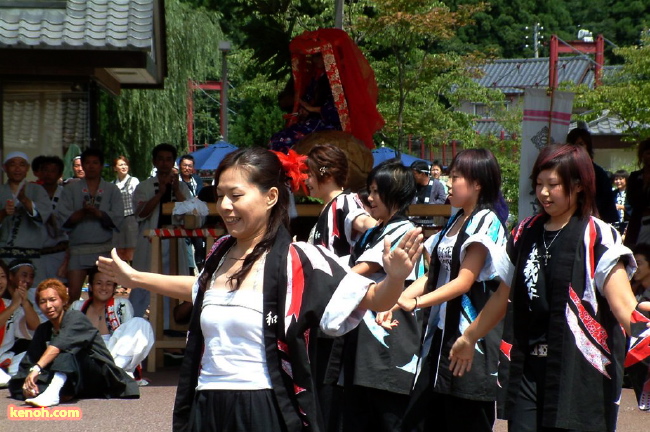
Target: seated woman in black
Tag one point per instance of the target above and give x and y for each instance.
(67, 357)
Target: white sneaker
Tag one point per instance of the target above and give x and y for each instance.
(4, 379)
(43, 400)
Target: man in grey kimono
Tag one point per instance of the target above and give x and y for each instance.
(148, 198)
(23, 208)
(54, 253)
(90, 209)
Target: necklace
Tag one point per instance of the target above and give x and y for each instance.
(260, 268)
(547, 255)
(100, 315)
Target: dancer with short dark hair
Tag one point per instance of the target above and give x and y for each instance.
(468, 261)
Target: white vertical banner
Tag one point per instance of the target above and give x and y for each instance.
(544, 117)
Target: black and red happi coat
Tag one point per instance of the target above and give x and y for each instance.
(294, 302)
(586, 344)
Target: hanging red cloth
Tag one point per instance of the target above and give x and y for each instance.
(350, 76)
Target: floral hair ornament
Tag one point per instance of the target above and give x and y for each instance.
(295, 169)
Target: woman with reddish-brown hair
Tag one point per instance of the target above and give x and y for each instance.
(67, 357)
(343, 219)
(561, 365)
(341, 222)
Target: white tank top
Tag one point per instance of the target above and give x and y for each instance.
(445, 249)
(234, 356)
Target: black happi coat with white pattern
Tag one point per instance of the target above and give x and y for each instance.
(586, 344)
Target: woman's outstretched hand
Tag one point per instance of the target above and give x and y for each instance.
(461, 355)
(399, 262)
(117, 269)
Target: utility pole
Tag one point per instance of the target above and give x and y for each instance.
(224, 47)
(338, 14)
(536, 38)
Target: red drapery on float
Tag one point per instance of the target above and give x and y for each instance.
(351, 79)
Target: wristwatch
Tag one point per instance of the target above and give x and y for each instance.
(36, 368)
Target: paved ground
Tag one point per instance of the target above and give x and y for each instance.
(630, 418)
(153, 411)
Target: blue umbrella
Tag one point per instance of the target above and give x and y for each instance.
(382, 154)
(208, 158)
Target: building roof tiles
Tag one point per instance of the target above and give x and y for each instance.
(100, 24)
(513, 75)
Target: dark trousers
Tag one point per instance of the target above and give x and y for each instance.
(372, 410)
(199, 250)
(639, 374)
(446, 413)
(85, 377)
(526, 415)
(330, 394)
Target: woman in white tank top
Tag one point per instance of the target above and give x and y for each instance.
(257, 301)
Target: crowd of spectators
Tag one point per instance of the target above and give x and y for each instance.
(377, 366)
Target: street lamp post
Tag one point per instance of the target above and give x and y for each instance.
(224, 47)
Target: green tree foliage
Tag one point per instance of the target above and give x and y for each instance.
(254, 101)
(620, 21)
(421, 83)
(267, 27)
(503, 26)
(207, 117)
(136, 120)
(626, 94)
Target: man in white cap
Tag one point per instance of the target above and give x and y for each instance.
(23, 208)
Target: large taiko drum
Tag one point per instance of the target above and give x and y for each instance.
(359, 156)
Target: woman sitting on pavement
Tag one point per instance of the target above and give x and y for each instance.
(258, 300)
(67, 357)
(11, 312)
(128, 338)
(20, 279)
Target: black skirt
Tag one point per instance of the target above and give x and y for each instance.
(236, 411)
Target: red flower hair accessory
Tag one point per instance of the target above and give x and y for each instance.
(295, 169)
